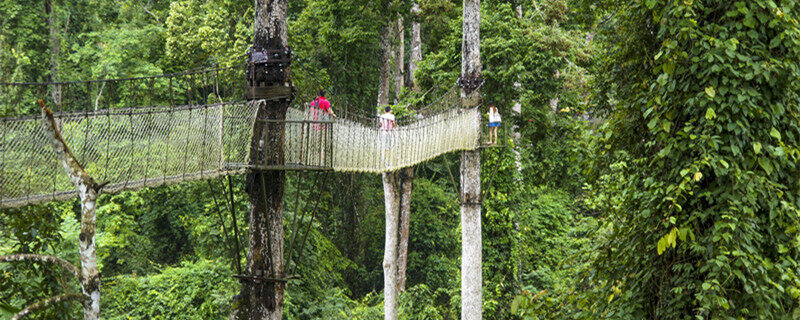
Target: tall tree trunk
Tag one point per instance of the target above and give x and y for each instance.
(263, 286)
(471, 278)
(392, 205)
(386, 64)
(400, 58)
(55, 50)
(88, 191)
(397, 188)
(416, 46)
(405, 177)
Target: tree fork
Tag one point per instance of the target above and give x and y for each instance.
(88, 192)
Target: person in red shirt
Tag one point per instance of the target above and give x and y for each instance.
(323, 104)
(320, 110)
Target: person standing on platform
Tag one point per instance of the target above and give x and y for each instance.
(494, 123)
(386, 122)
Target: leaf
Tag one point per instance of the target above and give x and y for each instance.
(697, 176)
(711, 92)
(775, 134)
(669, 68)
(515, 304)
(766, 165)
(757, 147)
(662, 245)
(710, 114)
(666, 125)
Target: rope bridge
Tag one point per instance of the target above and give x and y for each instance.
(138, 147)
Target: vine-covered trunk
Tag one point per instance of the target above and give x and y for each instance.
(471, 278)
(263, 283)
(88, 192)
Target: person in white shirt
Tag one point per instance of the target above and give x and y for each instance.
(386, 122)
(494, 123)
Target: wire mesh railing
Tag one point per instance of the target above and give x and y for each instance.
(149, 131)
(193, 87)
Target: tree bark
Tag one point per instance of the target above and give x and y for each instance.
(88, 191)
(405, 177)
(392, 205)
(397, 188)
(386, 64)
(471, 277)
(400, 57)
(55, 50)
(416, 46)
(262, 296)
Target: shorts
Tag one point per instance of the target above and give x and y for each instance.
(387, 140)
(494, 124)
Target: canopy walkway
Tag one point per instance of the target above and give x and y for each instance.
(131, 147)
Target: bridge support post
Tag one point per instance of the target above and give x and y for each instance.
(470, 195)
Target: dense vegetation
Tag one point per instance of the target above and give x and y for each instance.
(677, 200)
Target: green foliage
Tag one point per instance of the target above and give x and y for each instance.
(703, 128)
(35, 229)
(200, 290)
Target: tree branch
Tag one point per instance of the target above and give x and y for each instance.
(148, 11)
(44, 303)
(70, 163)
(43, 258)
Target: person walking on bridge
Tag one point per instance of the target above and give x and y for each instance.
(321, 110)
(386, 122)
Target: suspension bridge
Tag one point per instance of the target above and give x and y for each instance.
(144, 132)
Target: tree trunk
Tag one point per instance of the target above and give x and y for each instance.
(392, 204)
(55, 50)
(405, 177)
(88, 191)
(397, 188)
(416, 46)
(263, 284)
(400, 58)
(386, 64)
(471, 278)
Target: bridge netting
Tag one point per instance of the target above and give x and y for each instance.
(135, 147)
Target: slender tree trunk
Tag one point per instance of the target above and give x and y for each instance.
(405, 177)
(416, 46)
(471, 278)
(386, 65)
(88, 191)
(400, 57)
(55, 50)
(263, 288)
(392, 205)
